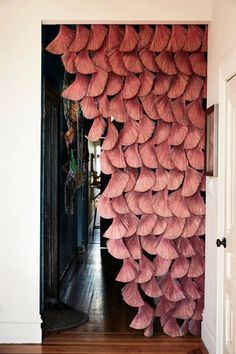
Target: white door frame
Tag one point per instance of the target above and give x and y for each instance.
(226, 72)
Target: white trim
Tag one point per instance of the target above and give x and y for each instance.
(208, 336)
(20, 332)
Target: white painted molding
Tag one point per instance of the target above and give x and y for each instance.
(20, 332)
(208, 336)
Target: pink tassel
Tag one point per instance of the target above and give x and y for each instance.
(195, 327)
(163, 106)
(160, 204)
(146, 224)
(97, 129)
(97, 36)
(149, 244)
(147, 79)
(115, 59)
(116, 157)
(193, 138)
(166, 63)
(144, 202)
(177, 38)
(198, 64)
(201, 229)
(68, 60)
(196, 204)
(163, 155)
(97, 83)
(117, 249)
(116, 184)
(166, 249)
(131, 295)
(179, 111)
(129, 133)
(178, 86)
(194, 38)
(148, 155)
(160, 39)
(133, 245)
(201, 144)
(149, 106)
(185, 248)
(133, 175)
(143, 318)
(104, 208)
(132, 224)
(132, 157)
(193, 89)
(191, 226)
(171, 328)
(148, 60)
(199, 309)
(151, 288)
(61, 42)
(130, 39)
(114, 37)
(184, 309)
(174, 228)
(162, 84)
(191, 182)
(160, 226)
(145, 180)
(164, 306)
(146, 129)
(178, 205)
(196, 266)
(179, 158)
(145, 35)
(129, 271)
(189, 288)
(118, 110)
(100, 59)
(196, 113)
(119, 205)
(114, 84)
(161, 133)
(196, 158)
(111, 137)
(116, 230)
(172, 289)
(89, 107)
(182, 63)
(178, 134)
(132, 62)
(106, 166)
(204, 41)
(146, 270)
(198, 245)
(131, 87)
(80, 40)
(132, 201)
(175, 179)
(179, 267)
(84, 63)
(134, 108)
(199, 281)
(161, 265)
(148, 332)
(184, 327)
(161, 179)
(78, 89)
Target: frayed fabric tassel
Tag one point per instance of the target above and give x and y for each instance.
(89, 107)
(117, 229)
(148, 331)
(146, 268)
(151, 288)
(178, 205)
(198, 245)
(191, 226)
(114, 37)
(191, 183)
(163, 153)
(129, 133)
(161, 179)
(196, 204)
(131, 295)
(129, 271)
(100, 59)
(177, 39)
(146, 224)
(179, 111)
(97, 129)
(114, 84)
(78, 89)
(161, 265)
(160, 203)
(132, 62)
(143, 318)
(195, 327)
(133, 245)
(148, 60)
(166, 249)
(162, 84)
(160, 38)
(149, 244)
(182, 62)
(116, 184)
(190, 288)
(172, 329)
(194, 38)
(164, 110)
(132, 201)
(132, 156)
(145, 35)
(172, 289)
(116, 156)
(80, 40)
(179, 267)
(179, 158)
(166, 63)
(132, 224)
(117, 249)
(196, 158)
(185, 247)
(204, 41)
(198, 63)
(201, 229)
(144, 202)
(84, 64)
(160, 225)
(174, 228)
(193, 89)
(130, 40)
(178, 86)
(148, 103)
(145, 180)
(199, 310)
(196, 268)
(118, 110)
(193, 137)
(104, 208)
(97, 36)
(134, 108)
(161, 133)
(196, 113)
(115, 59)
(61, 42)
(178, 134)
(68, 60)
(133, 175)
(147, 79)
(111, 137)
(146, 129)
(106, 166)
(119, 205)
(148, 155)
(164, 306)
(97, 83)
(130, 87)
(175, 179)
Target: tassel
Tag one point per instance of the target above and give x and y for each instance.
(191, 182)
(148, 60)
(147, 79)
(84, 63)
(143, 318)
(166, 63)
(100, 59)
(193, 89)
(97, 36)
(196, 114)
(160, 204)
(119, 205)
(192, 138)
(97, 129)
(163, 106)
(160, 39)
(201, 229)
(111, 137)
(182, 63)
(149, 106)
(179, 267)
(196, 266)
(164, 306)
(160, 225)
(199, 281)
(161, 266)
(116, 184)
(199, 309)
(78, 89)
(146, 224)
(145, 180)
(133, 175)
(115, 59)
(196, 204)
(134, 108)
(178, 204)
(163, 153)
(196, 158)
(179, 158)
(89, 107)
(177, 38)
(114, 84)
(116, 230)
(106, 166)
(166, 249)
(104, 208)
(184, 327)
(191, 226)
(178, 85)
(97, 83)
(132, 201)
(148, 332)
(184, 309)
(131, 87)
(161, 133)
(148, 155)
(201, 143)
(145, 35)
(195, 327)
(161, 179)
(130, 39)
(128, 271)
(132, 224)
(144, 202)
(132, 157)
(149, 244)
(179, 111)
(185, 247)
(189, 288)
(80, 40)
(151, 288)
(68, 60)
(114, 37)
(146, 270)
(146, 129)
(172, 289)
(198, 63)
(171, 328)
(61, 42)
(117, 249)
(162, 84)
(175, 179)
(198, 245)
(205, 40)
(132, 62)
(194, 38)
(133, 245)
(116, 157)
(178, 134)
(131, 295)
(117, 108)
(174, 228)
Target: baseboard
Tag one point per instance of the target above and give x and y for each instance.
(208, 337)
(20, 332)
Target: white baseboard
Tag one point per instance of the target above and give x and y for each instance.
(208, 337)
(20, 332)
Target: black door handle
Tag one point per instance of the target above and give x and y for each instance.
(221, 242)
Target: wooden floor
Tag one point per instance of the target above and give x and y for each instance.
(94, 291)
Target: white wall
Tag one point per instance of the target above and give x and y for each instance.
(20, 23)
(221, 41)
